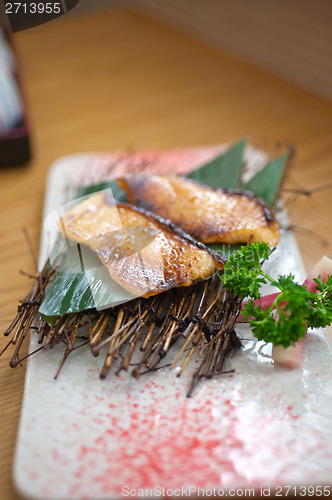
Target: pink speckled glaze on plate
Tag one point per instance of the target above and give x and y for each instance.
(84, 438)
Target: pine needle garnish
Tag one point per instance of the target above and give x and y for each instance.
(171, 329)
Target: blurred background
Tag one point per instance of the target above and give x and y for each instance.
(291, 40)
(158, 74)
(141, 74)
(150, 40)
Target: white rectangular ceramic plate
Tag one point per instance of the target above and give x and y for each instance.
(85, 438)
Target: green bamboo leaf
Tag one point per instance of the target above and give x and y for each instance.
(224, 171)
(70, 293)
(118, 193)
(76, 288)
(67, 294)
(266, 182)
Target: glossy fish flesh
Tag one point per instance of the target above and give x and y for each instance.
(142, 253)
(208, 214)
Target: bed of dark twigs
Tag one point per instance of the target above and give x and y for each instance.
(198, 319)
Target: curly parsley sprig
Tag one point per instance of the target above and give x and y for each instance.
(294, 309)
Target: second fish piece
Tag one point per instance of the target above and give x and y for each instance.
(209, 215)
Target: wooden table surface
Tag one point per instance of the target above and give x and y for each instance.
(116, 80)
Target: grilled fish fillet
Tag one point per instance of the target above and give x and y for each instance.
(142, 253)
(207, 214)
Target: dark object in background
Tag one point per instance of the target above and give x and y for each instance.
(14, 132)
(29, 14)
(15, 146)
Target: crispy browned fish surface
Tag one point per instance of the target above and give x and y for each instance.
(209, 215)
(142, 253)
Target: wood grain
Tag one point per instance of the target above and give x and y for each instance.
(292, 40)
(116, 80)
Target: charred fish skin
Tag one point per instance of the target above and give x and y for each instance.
(168, 224)
(208, 214)
(169, 259)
